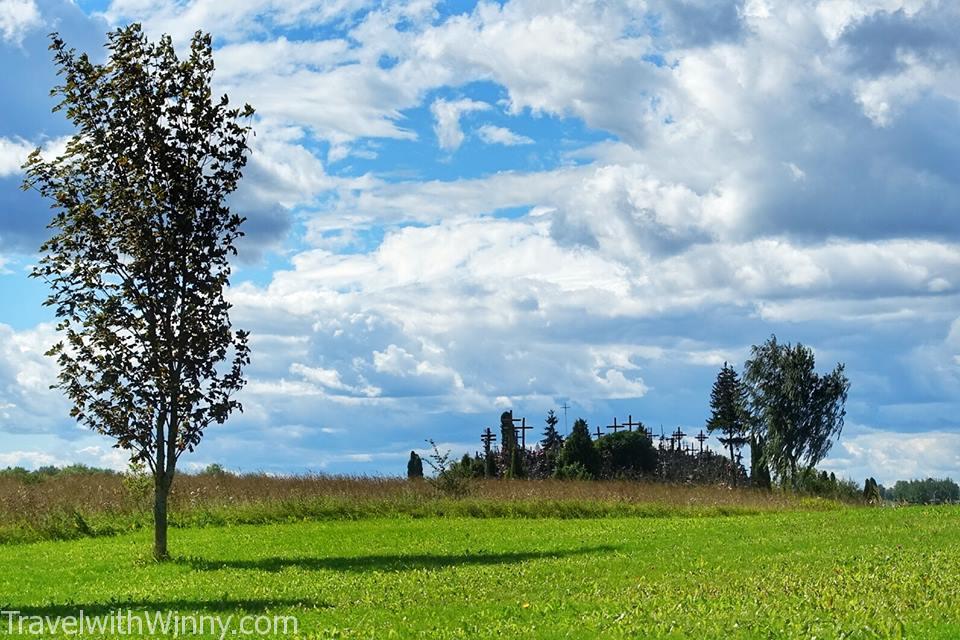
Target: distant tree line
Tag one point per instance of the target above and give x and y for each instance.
(929, 491)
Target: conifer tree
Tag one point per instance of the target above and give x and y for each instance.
(579, 448)
(552, 440)
(728, 411)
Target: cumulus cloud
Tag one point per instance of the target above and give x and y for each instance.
(492, 134)
(446, 115)
(705, 173)
(13, 153)
(27, 404)
(896, 456)
(16, 18)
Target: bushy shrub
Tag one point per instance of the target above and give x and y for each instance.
(449, 480)
(572, 471)
(627, 453)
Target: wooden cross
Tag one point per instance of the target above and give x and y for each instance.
(678, 436)
(565, 406)
(488, 437)
(598, 433)
(701, 437)
(630, 424)
(739, 458)
(523, 428)
(616, 427)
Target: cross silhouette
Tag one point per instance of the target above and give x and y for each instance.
(678, 436)
(488, 437)
(598, 433)
(701, 437)
(616, 427)
(523, 428)
(630, 424)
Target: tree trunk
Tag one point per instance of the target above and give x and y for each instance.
(161, 491)
(733, 464)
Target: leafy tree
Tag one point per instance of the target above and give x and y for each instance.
(579, 448)
(478, 467)
(627, 452)
(216, 470)
(414, 466)
(139, 258)
(728, 404)
(796, 412)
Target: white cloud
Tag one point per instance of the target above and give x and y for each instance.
(447, 114)
(492, 134)
(234, 20)
(896, 456)
(14, 152)
(782, 167)
(16, 18)
(28, 404)
(330, 379)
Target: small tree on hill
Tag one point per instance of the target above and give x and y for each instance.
(414, 466)
(139, 258)
(729, 412)
(552, 442)
(579, 448)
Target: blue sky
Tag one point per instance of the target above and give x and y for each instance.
(456, 208)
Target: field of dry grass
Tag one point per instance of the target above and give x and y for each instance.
(78, 505)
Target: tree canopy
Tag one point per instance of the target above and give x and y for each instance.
(139, 256)
(628, 453)
(796, 413)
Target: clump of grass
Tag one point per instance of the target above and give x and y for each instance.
(99, 504)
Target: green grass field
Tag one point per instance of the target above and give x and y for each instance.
(857, 572)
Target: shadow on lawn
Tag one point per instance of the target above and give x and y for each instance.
(151, 607)
(398, 562)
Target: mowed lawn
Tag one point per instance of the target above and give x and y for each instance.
(859, 572)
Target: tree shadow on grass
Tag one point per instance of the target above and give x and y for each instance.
(398, 562)
(151, 607)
